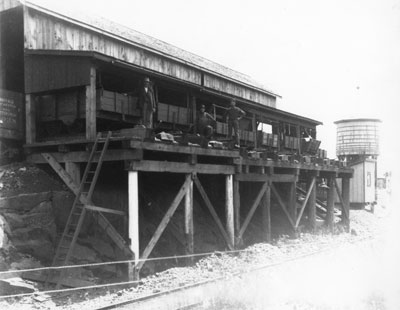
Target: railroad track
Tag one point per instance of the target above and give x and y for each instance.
(196, 295)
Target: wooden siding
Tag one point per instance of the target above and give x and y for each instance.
(43, 73)
(362, 185)
(357, 184)
(218, 84)
(8, 4)
(44, 32)
(11, 50)
(369, 177)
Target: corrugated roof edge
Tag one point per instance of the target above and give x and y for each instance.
(134, 37)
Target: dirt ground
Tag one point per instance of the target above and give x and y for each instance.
(346, 275)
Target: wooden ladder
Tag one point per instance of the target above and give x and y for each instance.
(76, 217)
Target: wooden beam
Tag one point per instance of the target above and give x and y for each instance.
(266, 213)
(256, 177)
(303, 206)
(292, 202)
(346, 203)
(105, 210)
(83, 156)
(133, 222)
(74, 170)
(164, 147)
(236, 202)
(229, 211)
(164, 222)
(253, 209)
(282, 204)
(91, 106)
(101, 220)
(312, 204)
(179, 167)
(254, 127)
(329, 220)
(30, 115)
(214, 214)
(68, 180)
(189, 230)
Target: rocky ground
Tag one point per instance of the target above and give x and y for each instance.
(365, 225)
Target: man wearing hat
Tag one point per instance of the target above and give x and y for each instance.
(204, 123)
(147, 103)
(234, 114)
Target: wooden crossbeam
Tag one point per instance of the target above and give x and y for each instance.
(164, 222)
(341, 199)
(257, 177)
(83, 156)
(305, 202)
(212, 211)
(105, 210)
(281, 203)
(253, 209)
(178, 167)
(101, 220)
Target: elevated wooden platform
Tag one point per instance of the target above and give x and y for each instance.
(278, 178)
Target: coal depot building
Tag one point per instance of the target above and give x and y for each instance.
(114, 113)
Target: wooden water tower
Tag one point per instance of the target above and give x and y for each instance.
(357, 143)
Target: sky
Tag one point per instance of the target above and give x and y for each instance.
(329, 60)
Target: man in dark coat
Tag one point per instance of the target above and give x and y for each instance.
(147, 103)
(204, 123)
(234, 114)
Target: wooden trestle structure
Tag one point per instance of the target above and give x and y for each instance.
(278, 180)
(82, 76)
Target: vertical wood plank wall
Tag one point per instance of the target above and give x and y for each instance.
(45, 32)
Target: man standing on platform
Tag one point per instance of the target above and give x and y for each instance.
(234, 115)
(147, 103)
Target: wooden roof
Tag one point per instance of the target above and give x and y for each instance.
(123, 33)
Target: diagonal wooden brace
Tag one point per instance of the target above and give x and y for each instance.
(101, 219)
(253, 208)
(305, 201)
(164, 222)
(212, 211)
(280, 201)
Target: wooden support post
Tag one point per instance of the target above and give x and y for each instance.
(133, 224)
(213, 213)
(311, 204)
(329, 220)
(189, 217)
(266, 213)
(346, 203)
(292, 204)
(194, 108)
(91, 106)
(30, 113)
(74, 170)
(254, 126)
(236, 203)
(229, 211)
